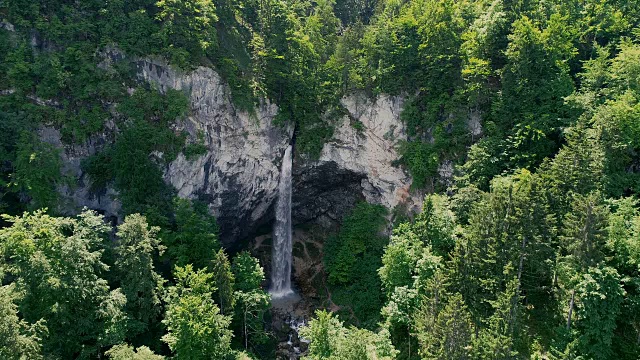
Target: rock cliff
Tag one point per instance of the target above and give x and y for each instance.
(357, 164)
(239, 173)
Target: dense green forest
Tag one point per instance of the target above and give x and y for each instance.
(531, 251)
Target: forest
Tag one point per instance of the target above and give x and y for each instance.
(530, 251)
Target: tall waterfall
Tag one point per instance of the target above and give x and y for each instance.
(282, 244)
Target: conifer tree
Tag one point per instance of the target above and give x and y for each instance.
(137, 247)
(444, 329)
(498, 339)
(224, 282)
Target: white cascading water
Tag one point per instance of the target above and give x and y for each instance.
(282, 245)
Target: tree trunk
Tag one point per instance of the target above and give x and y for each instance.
(573, 293)
(245, 330)
(409, 331)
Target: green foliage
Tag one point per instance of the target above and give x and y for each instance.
(188, 30)
(497, 339)
(64, 300)
(534, 83)
(482, 163)
(37, 171)
(400, 258)
(134, 173)
(129, 163)
(195, 327)
(352, 259)
(251, 302)
(323, 331)
(195, 149)
(126, 352)
(444, 329)
(422, 160)
(331, 340)
(600, 295)
(57, 266)
(194, 239)
(153, 107)
(140, 283)
(354, 239)
(510, 227)
(416, 48)
(248, 272)
(533, 103)
(576, 169)
(291, 59)
(436, 224)
(13, 125)
(584, 231)
(64, 84)
(410, 271)
(224, 281)
(18, 339)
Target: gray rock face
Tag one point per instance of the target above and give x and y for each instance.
(238, 175)
(357, 164)
(7, 26)
(76, 193)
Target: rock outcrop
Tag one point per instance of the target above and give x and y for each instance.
(77, 193)
(238, 174)
(357, 164)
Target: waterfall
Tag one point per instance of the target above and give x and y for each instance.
(282, 244)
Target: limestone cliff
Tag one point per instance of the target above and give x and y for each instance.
(357, 164)
(239, 173)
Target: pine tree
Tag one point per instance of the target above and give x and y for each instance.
(498, 339)
(195, 237)
(137, 246)
(599, 298)
(444, 329)
(224, 282)
(436, 224)
(584, 231)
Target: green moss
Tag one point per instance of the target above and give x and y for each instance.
(313, 250)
